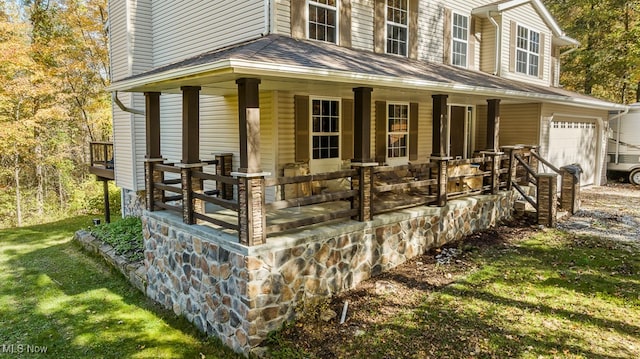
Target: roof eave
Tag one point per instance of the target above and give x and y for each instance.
(255, 68)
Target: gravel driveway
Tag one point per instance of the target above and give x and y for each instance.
(611, 211)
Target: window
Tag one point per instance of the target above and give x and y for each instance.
(460, 38)
(528, 51)
(323, 20)
(397, 27)
(398, 130)
(325, 125)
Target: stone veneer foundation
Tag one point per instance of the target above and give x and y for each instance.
(241, 293)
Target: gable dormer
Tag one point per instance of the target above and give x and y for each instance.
(521, 41)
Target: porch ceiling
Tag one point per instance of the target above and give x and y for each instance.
(284, 63)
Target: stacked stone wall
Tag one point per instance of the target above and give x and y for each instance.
(241, 293)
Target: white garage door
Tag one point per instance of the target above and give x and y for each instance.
(575, 142)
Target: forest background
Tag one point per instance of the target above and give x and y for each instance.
(54, 68)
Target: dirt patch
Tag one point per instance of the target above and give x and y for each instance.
(611, 212)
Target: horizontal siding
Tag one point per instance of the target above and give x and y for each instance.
(481, 128)
(171, 127)
(185, 29)
(283, 17)
(527, 16)
(487, 47)
(118, 43)
(140, 36)
(430, 31)
(425, 124)
(139, 147)
(362, 25)
(519, 124)
(123, 144)
(286, 129)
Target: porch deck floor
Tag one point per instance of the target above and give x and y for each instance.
(280, 216)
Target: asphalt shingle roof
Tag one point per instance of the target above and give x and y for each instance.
(278, 49)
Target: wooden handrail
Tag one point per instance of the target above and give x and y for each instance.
(547, 163)
(526, 166)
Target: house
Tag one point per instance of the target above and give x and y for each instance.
(282, 150)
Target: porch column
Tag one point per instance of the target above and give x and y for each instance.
(190, 151)
(440, 127)
(493, 125)
(152, 121)
(153, 156)
(440, 130)
(362, 161)
(252, 216)
(493, 135)
(190, 124)
(362, 124)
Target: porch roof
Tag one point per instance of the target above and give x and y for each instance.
(282, 60)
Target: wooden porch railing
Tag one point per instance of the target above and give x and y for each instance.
(101, 159)
(339, 195)
(366, 190)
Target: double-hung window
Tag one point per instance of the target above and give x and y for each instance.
(527, 51)
(325, 124)
(398, 130)
(397, 27)
(323, 20)
(460, 40)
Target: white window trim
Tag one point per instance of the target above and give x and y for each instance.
(321, 165)
(527, 50)
(386, 28)
(453, 39)
(337, 9)
(397, 161)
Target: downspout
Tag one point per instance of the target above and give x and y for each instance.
(498, 60)
(114, 97)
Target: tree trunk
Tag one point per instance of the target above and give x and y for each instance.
(40, 180)
(16, 179)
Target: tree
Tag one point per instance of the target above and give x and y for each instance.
(606, 63)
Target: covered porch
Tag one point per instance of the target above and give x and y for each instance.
(235, 248)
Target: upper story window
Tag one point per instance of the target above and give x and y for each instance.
(460, 40)
(325, 128)
(323, 20)
(397, 27)
(398, 130)
(527, 51)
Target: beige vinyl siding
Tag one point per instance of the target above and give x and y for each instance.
(487, 48)
(430, 31)
(139, 148)
(286, 130)
(123, 143)
(119, 56)
(528, 17)
(140, 36)
(362, 22)
(283, 17)
(425, 124)
(481, 129)
(519, 124)
(171, 127)
(186, 29)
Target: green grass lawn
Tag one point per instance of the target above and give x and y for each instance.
(53, 296)
(552, 295)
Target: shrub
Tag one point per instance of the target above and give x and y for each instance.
(125, 236)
